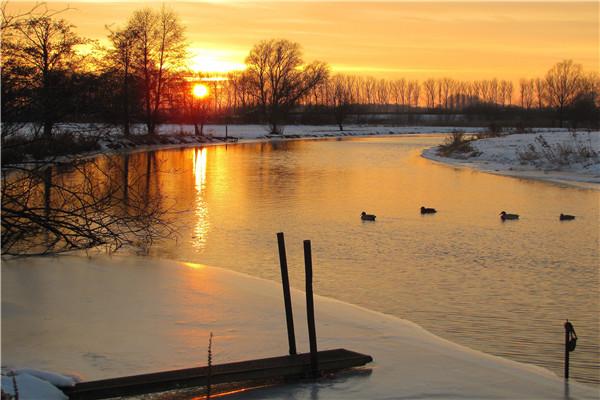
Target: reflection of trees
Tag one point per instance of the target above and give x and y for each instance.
(105, 202)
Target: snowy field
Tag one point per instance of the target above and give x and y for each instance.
(107, 317)
(501, 155)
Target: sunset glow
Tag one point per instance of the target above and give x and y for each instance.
(413, 40)
(200, 91)
(213, 64)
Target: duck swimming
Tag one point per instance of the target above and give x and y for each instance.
(367, 217)
(566, 217)
(504, 216)
(425, 210)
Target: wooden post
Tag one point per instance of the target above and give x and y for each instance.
(566, 354)
(310, 311)
(286, 293)
(570, 343)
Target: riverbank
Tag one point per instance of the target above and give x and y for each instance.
(111, 141)
(548, 155)
(136, 315)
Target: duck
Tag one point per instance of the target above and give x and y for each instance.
(425, 210)
(566, 217)
(367, 217)
(504, 216)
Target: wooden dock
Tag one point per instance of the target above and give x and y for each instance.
(285, 367)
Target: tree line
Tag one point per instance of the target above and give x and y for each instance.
(51, 74)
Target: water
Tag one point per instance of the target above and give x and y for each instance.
(503, 288)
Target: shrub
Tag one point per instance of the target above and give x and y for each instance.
(457, 143)
(562, 154)
(493, 130)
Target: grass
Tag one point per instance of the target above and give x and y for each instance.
(571, 151)
(457, 144)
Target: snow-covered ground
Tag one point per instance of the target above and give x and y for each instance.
(107, 317)
(501, 155)
(181, 135)
(257, 131)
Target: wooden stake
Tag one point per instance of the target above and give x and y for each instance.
(310, 311)
(287, 298)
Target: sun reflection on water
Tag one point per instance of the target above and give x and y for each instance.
(201, 209)
(194, 265)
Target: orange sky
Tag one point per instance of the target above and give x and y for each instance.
(416, 40)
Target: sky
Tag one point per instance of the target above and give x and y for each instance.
(414, 40)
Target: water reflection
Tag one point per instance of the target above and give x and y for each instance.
(106, 202)
(202, 225)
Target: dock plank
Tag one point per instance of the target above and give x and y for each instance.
(284, 367)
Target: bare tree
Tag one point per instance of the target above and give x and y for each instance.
(159, 48)
(447, 84)
(429, 88)
(540, 92)
(341, 98)
(563, 82)
(41, 49)
(526, 87)
(121, 57)
(279, 78)
(415, 91)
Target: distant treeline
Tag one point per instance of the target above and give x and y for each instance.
(50, 74)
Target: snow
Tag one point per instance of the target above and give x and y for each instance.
(259, 131)
(250, 131)
(500, 155)
(112, 140)
(32, 388)
(55, 379)
(107, 317)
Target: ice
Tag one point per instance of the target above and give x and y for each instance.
(107, 317)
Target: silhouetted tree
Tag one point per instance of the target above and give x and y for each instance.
(563, 82)
(340, 92)
(278, 78)
(429, 88)
(526, 87)
(40, 50)
(121, 58)
(583, 111)
(159, 48)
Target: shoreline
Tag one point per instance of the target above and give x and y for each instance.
(245, 134)
(558, 177)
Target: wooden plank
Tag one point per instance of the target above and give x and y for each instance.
(291, 366)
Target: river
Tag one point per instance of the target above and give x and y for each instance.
(504, 288)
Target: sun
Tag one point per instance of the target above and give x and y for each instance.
(200, 91)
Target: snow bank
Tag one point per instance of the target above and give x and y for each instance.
(108, 317)
(501, 156)
(255, 131)
(31, 387)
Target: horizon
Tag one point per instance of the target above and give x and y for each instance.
(415, 40)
